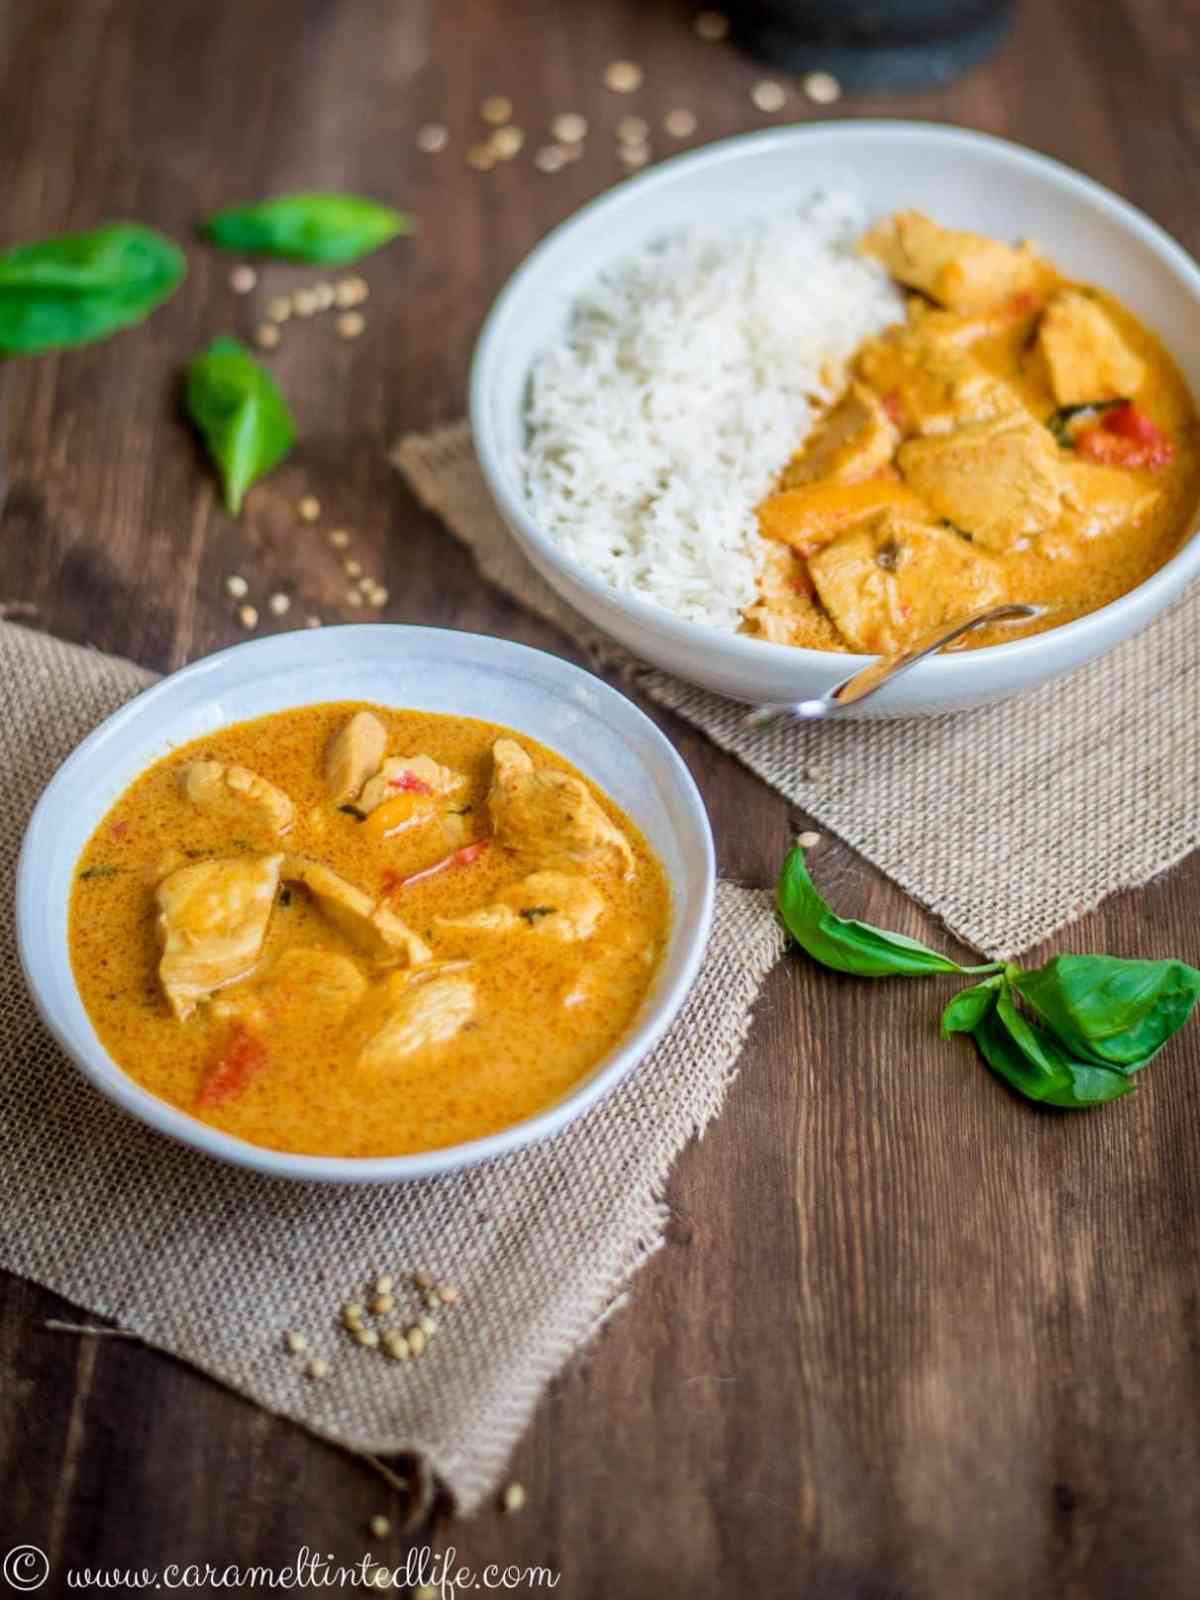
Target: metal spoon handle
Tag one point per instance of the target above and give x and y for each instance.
(854, 689)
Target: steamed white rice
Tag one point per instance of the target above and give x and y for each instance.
(683, 382)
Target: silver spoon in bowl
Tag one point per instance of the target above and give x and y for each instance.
(855, 689)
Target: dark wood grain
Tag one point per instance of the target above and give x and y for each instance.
(906, 1337)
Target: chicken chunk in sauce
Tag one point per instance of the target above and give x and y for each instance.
(212, 920)
(355, 753)
(548, 815)
(237, 795)
(552, 905)
(890, 579)
(402, 1018)
(961, 270)
(1000, 482)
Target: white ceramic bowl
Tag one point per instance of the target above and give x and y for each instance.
(604, 734)
(967, 180)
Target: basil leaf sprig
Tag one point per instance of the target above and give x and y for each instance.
(330, 228)
(854, 947)
(1028, 1057)
(1069, 1034)
(233, 401)
(77, 287)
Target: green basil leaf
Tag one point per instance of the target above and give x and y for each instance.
(83, 286)
(969, 1006)
(234, 403)
(1059, 422)
(1103, 1009)
(1031, 1061)
(331, 228)
(848, 946)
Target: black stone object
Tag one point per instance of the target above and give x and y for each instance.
(873, 46)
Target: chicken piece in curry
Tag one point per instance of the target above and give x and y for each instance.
(350, 931)
(1017, 437)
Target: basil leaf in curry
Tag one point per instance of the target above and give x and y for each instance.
(1061, 421)
(78, 287)
(1115, 1012)
(849, 946)
(329, 228)
(245, 422)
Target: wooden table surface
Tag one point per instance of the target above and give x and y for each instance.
(908, 1337)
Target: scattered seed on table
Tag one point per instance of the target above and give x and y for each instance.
(280, 605)
(352, 1311)
(318, 1367)
(447, 1294)
(808, 841)
(236, 586)
(551, 158)
(569, 127)
(633, 130)
(426, 1591)
(352, 568)
(384, 1283)
(305, 303)
(422, 1280)
(496, 109)
(353, 598)
(513, 1498)
(248, 617)
(432, 137)
(382, 1304)
(395, 1345)
(351, 324)
(366, 1336)
(482, 157)
(634, 155)
(680, 124)
(769, 95)
(623, 77)
(267, 336)
(506, 142)
(416, 1339)
(242, 279)
(309, 508)
(428, 1326)
(379, 1527)
(339, 538)
(312, 622)
(712, 26)
(822, 87)
(279, 308)
(296, 1342)
(323, 294)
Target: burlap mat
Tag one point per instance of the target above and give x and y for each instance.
(213, 1264)
(1006, 822)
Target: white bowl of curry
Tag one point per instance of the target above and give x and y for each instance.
(365, 904)
(1026, 431)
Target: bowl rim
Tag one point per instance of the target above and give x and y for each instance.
(107, 1075)
(741, 650)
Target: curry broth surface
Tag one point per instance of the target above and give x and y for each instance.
(524, 1049)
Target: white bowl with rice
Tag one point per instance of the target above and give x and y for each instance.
(651, 365)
